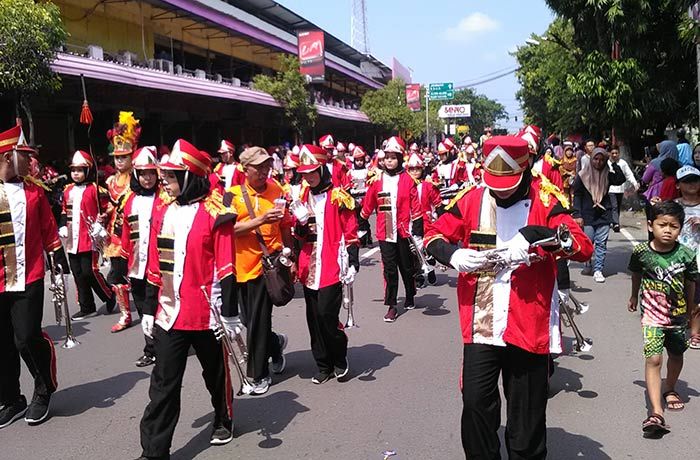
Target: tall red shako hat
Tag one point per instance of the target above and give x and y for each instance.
(311, 157)
(505, 160)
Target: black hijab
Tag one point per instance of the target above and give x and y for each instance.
(193, 189)
(325, 184)
(137, 188)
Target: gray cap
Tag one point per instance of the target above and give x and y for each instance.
(254, 156)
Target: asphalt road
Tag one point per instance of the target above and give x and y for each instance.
(403, 394)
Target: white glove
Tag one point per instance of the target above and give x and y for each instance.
(518, 250)
(147, 325)
(300, 211)
(349, 276)
(63, 232)
(233, 326)
(467, 260)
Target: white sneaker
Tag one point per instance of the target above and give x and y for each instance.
(598, 277)
(261, 387)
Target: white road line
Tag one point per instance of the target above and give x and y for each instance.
(369, 253)
(629, 237)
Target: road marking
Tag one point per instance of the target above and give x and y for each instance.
(629, 237)
(369, 253)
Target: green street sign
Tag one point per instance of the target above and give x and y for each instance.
(441, 91)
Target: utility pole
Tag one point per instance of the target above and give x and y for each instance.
(427, 123)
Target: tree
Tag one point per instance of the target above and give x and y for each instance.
(485, 111)
(386, 107)
(289, 88)
(30, 34)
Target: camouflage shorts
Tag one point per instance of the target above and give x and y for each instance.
(656, 338)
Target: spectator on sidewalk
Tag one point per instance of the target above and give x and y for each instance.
(685, 154)
(653, 176)
(618, 191)
(592, 205)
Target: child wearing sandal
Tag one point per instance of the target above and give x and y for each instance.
(664, 271)
(688, 178)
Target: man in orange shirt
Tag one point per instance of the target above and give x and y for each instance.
(270, 218)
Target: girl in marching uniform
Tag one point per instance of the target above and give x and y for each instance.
(81, 204)
(135, 237)
(228, 172)
(393, 194)
(359, 175)
(292, 179)
(327, 228)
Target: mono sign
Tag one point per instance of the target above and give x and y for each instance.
(455, 111)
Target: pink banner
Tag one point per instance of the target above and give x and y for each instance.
(413, 97)
(312, 55)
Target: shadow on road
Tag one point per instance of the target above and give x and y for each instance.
(99, 394)
(268, 416)
(569, 381)
(58, 333)
(561, 444)
(682, 388)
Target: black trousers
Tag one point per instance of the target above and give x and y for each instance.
(616, 201)
(525, 378)
(163, 410)
(88, 278)
(363, 226)
(21, 335)
(138, 292)
(397, 257)
(263, 344)
(329, 344)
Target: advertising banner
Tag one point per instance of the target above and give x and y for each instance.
(413, 97)
(312, 54)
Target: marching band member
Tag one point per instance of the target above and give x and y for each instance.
(124, 138)
(272, 222)
(81, 203)
(510, 319)
(26, 232)
(292, 179)
(326, 226)
(337, 168)
(393, 194)
(190, 261)
(449, 172)
(359, 175)
(136, 231)
(228, 172)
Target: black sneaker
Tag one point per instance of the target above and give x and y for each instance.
(342, 372)
(110, 304)
(280, 362)
(432, 278)
(38, 410)
(322, 377)
(12, 412)
(82, 315)
(145, 360)
(222, 433)
(616, 228)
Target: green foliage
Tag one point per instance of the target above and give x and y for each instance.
(386, 107)
(289, 88)
(30, 34)
(485, 111)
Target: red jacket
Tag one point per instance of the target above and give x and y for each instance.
(233, 176)
(85, 195)
(187, 251)
(522, 308)
(319, 257)
(429, 196)
(136, 231)
(32, 229)
(339, 173)
(406, 209)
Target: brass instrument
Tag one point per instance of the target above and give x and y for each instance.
(229, 350)
(97, 233)
(418, 249)
(348, 295)
(582, 344)
(60, 301)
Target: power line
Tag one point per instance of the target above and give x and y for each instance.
(486, 75)
(505, 74)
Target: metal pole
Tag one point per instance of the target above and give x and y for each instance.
(427, 124)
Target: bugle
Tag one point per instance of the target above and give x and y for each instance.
(418, 249)
(348, 294)
(582, 344)
(97, 233)
(229, 350)
(60, 301)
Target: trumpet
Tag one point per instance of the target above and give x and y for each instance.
(348, 294)
(418, 249)
(97, 233)
(582, 344)
(229, 350)
(60, 301)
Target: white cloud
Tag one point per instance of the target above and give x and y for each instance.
(470, 26)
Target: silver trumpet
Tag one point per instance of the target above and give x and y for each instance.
(98, 234)
(229, 350)
(418, 249)
(348, 295)
(60, 301)
(582, 344)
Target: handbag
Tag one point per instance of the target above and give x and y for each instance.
(277, 277)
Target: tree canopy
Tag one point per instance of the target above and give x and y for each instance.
(386, 107)
(289, 88)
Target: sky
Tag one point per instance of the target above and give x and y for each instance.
(442, 41)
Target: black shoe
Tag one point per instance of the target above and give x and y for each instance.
(83, 314)
(38, 410)
(342, 372)
(409, 304)
(12, 412)
(145, 360)
(616, 228)
(222, 433)
(110, 304)
(322, 377)
(420, 281)
(432, 278)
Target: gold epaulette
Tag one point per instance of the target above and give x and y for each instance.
(551, 160)
(214, 203)
(240, 167)
(548, 189)
(35, 181)
(340, 197)
(459, 196)
(374, 178)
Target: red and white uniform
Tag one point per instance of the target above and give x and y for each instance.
(395, 198)
(228, 175)
(518, 307)
(79, 204)
(180, 232)
(358, 179)
(136, 232)
(332, 220)
(27, 230)
(339, 173)
(546, 167)
(453, 172)
(429, 198)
